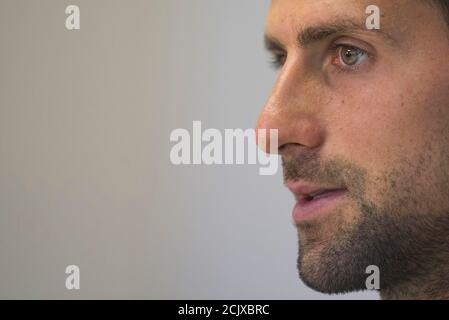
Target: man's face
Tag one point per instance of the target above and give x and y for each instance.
(363, 115)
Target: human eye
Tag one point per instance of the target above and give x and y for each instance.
(278, 59)
(348, 57)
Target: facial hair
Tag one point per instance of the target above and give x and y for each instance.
(405, 243)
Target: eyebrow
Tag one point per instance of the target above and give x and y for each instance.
(312, 34)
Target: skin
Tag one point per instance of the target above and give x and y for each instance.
(380, 129)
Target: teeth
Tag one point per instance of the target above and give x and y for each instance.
(313, 195)
(317, 195)
(321, 195)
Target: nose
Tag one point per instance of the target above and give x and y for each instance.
(293, 110)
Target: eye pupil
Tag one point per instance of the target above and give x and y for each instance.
(350, 56)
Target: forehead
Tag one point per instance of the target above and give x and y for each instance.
(286, 17)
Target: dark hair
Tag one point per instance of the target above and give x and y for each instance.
(444, 6)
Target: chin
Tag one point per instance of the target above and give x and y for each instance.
(325, 269)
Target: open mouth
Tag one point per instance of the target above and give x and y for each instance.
(314, 200)
(317, 204)
(320, 194)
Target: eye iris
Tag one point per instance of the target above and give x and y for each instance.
(350, 56)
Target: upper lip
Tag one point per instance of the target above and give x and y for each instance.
(304, 190)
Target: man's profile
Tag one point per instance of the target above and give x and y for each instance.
(363, 120)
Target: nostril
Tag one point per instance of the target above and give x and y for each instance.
(290, 149)
(282, 148)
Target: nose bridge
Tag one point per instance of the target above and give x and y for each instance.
(288, 110)
(278, 99)
(280, 103)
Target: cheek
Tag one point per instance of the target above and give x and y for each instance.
(382, 133)
(375, 118)
(401, 141)
(370, 131)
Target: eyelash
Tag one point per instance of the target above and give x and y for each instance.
(278, 59)
(335, 49)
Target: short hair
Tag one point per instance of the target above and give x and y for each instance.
(444, 7)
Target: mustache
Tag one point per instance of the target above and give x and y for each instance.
(334, 171)
(304, 166)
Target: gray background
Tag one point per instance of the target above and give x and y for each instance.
(85, 176)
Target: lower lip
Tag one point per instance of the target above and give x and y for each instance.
(309, 209)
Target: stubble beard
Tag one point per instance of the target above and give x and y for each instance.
(405, 243)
